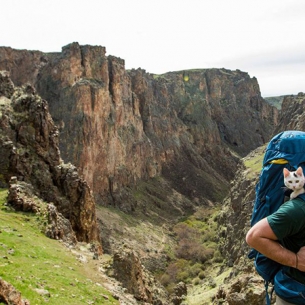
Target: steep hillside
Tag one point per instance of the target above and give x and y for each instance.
(45, 270)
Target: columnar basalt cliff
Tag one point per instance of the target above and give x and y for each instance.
(120, 127)
(29, 153)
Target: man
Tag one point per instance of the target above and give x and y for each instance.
(281, 237)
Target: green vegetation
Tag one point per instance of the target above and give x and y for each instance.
(254, 162)
(29, 261)
(154, 195)
(160, 76)
(190, 246)
(203, 291)
(196, 256)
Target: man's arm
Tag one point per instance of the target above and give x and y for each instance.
(301, 259)
(262, 238)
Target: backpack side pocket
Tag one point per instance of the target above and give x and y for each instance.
(289, 289)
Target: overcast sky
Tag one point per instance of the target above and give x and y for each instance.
(265, 38)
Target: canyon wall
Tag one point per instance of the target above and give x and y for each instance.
(121, 127)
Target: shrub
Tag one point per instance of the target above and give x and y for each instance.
(196, 281)
(165, 279)
(195, 269)
(183, 276)
(217, 258)
(201, 275)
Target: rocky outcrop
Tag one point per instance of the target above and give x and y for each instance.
(21, 196)
(59, 227)
(9, 295)
(136, 279)
(122, 127)
(245, 289)
(30, 153)
(139, 282)
(180, 292)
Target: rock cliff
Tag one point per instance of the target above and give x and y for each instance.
(122, 127)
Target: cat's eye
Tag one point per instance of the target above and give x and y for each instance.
(297, 181)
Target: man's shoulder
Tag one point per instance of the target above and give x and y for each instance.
(295, 205)
(298, 202)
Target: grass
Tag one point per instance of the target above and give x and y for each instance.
(254, 162)
(202, 294)
(29, 261)
(196, 259)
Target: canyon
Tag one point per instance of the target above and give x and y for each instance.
(154, 147)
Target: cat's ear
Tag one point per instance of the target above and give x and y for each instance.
(299, 171)
(286, 172)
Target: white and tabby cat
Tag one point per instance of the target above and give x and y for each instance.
(294, 181)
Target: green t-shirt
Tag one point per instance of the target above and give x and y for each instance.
(288, 224)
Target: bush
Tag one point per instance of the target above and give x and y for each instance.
(195, 269)
(165, 279)
(183, 276)
(196, 281)
(217, 258)
(189, 249)
(201, 275)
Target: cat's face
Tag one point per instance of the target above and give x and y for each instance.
(294, 180)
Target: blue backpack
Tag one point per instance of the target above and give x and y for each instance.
(287, 149)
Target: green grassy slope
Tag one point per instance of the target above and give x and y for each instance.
(29, 261)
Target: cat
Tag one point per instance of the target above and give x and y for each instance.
(294, 181)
